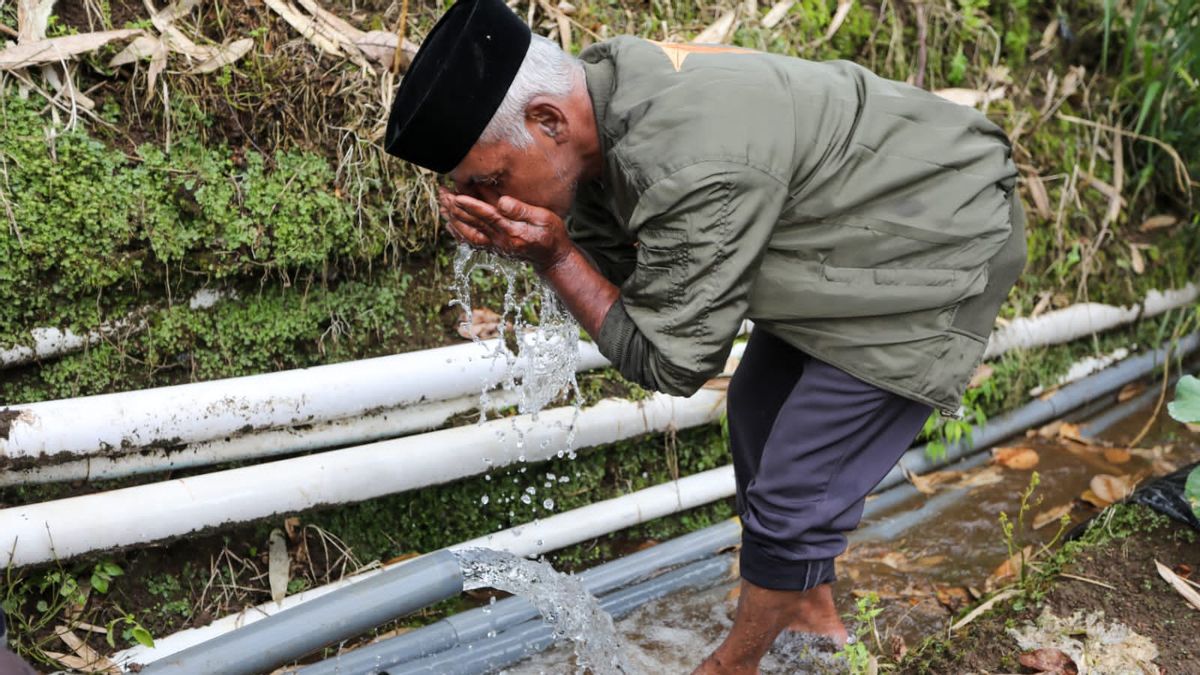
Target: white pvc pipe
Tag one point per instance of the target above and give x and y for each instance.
(1076, 321)
(548, 534)
(49, 342)
(594, 520)
(202, 411)
(348, 431)
(65, 528)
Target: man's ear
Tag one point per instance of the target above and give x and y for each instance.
(550, 119)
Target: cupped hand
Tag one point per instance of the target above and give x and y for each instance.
(511, 228)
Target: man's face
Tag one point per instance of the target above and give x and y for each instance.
(541, 174)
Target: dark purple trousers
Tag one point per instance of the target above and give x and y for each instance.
(809, 444)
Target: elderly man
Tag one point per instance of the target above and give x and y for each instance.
(667, 192)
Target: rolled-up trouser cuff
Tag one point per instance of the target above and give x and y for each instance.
(762, 570)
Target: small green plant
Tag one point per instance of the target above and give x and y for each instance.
(103, 573)
(1011, 530)
(131, 630)
(858, 658)
(1186, 408)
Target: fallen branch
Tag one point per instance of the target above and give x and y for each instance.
(56, 50)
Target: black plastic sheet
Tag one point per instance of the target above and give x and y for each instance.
(1165, 495)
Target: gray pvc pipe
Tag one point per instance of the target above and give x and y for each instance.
(1122, 411)
(479, 622)
(1043, 410)
(490, 654)
(281, 638)
(890, 498)
(891, 528)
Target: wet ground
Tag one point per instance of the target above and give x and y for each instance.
(929, 572)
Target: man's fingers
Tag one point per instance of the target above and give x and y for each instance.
(471, 220)
(515, 209)
(468, 234)
(483, 216)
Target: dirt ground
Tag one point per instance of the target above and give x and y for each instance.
(1115, 575)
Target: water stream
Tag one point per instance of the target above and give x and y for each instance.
(562, 601)
(540, 358)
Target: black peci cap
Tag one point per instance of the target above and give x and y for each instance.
(456, 83)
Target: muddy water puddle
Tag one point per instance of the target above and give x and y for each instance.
(925, 573)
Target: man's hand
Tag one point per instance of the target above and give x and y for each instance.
(511, 228)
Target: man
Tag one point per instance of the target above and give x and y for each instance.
(869, 229)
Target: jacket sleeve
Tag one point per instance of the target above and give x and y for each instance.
(594, 230)
(701, 235)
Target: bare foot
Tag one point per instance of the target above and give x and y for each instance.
(715, 665)
(818, 616)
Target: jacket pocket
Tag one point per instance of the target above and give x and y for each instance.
(657, 280)
(895, 290)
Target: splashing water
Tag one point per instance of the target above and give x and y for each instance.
(546, 354)
(562, 601)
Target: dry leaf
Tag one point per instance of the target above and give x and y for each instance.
(970, 97)
(1019, 458)
(893, 559)
(93, 661)
(1107, 489)
(1117, 455)
(981, 477)
(58, 49)
(952, 598)
(278, 566)
(1050, 430)
(982, 374)
(1051, 515)
(1037, 192)
(484, 324)
(1010, 567)
(380, 46)
(292, 527)
(778, 11)
(1184, 570)
(899, 649)
(720, 29)
(926, 485)
(226, 54)
(142, 47)
(1158, 222)
(401, 558)
(1070, 432)
(69, 661)
(1047, 660)
(839, 17)
(1105, 189)
(1136, 261)
(999, 597)
(1190, 594)
(1129, 391)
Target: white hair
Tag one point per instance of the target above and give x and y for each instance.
(546, 71)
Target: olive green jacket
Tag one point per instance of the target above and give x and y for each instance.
(869, 223)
